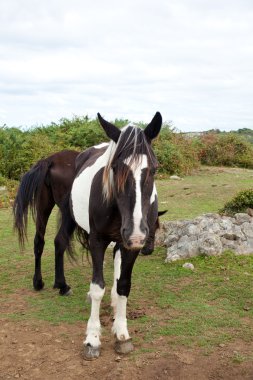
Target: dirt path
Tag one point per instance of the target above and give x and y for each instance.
(30, 350)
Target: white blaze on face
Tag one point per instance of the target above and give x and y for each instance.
(153, 195)
(137, 233)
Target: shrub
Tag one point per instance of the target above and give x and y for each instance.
(240, 203)
(228, 149)
(78, 132)
(176, 154)
(7, 191)
(20, 150)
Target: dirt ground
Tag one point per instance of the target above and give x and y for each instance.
(31, 350)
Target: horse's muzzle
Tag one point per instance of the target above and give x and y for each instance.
(134, 241)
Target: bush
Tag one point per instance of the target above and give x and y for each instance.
(175, 153)
(8, 189)
(240, 203)
(228, 149)
(20, 150)
(79, 133)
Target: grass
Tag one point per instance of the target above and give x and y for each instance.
(206, 191)
(204, 308)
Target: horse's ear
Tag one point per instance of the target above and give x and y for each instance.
(153, 128)
(111, 131)
(160, 213)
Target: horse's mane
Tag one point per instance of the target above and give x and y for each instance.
(130, 148)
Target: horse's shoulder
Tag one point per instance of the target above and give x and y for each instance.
(89, 156)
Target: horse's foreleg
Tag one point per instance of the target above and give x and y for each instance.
(92, 342)
(123, 342)
(117, 269)
(97, 289)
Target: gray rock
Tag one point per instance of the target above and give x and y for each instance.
(215, 228)
(250, 211)
(210, 244)
(242, 218)
(192, 229)
(188, 266)
(247, 229)
(226, 223)
(171, 239)
(209, 234)
(171, 258)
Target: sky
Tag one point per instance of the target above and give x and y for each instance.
(192, 60)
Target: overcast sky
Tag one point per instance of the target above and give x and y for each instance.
(192, 60)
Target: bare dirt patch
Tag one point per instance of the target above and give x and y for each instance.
(32, 350)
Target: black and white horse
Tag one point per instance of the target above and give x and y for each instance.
(114, 198)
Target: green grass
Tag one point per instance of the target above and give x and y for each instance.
(211, 305)
(206, 191)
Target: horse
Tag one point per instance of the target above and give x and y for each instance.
(114, 198)
(45, 185)
(41, 188)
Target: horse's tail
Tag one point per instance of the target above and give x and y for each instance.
(28, 195)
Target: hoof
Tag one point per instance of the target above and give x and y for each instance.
(66, 291)
(123, 346)
(38, 284)
(90, 353)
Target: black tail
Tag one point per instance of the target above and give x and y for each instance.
(28, 196)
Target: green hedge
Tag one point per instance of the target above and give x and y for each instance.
(176, 153)
(19, 150)
(228, 149)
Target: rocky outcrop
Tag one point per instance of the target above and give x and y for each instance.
(209, 234)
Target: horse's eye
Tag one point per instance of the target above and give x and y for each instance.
(152, 171)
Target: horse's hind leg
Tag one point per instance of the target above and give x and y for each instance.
(61, 242)
(43, 213)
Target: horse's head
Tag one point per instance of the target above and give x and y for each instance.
(129, 177)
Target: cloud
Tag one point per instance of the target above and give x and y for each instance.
(190, 59)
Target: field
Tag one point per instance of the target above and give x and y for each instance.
(184, 324)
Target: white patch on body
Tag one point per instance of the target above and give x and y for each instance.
(117, 270)
(137, 233)
(80, 193)
(93, 331)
